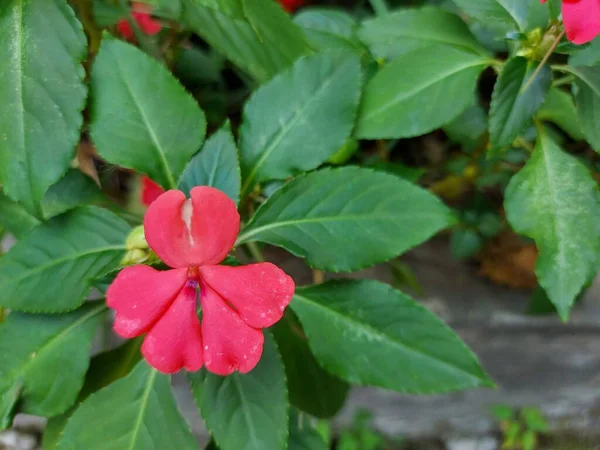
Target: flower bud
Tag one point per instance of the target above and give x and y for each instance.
(136, 239)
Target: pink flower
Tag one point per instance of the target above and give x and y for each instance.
(141, 15)
(193, 236)
(581, 19)
(150, 191)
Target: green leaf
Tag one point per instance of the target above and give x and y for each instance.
(43, 360)
(300, 118)
(247, 411)
(412, 174)
(42, 95)
(555, 201)
(538, 15)
(52, 268)
(263, 42)
(311, 388)
(559, 108)
(216, 165)
(15, 218)
(400, 32)
(303, 435)
(469, 127)
(347, 219)
(329, 28)
(74, 189)
(587, 98)
(419, 92)
(586, 55)
(388, 341)
(497, 13)
(137, 412)
(513, 106)
(105, 368)
(142, 118)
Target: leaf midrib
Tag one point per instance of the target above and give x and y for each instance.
(59, 336)
(143, 407)
(368, 217)
(419, 88)
(157, 145)
(556, 217)
(245, 409)
(18, 26)
(380, 335)
(283, 131)
(399, 33)
(54, 262)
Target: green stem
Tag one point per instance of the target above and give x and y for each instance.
(1, 315)
(380, 7)
(565, 80)
(543, 62)
(255, 251)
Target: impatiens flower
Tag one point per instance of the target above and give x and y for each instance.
(291, 5)
(150, 191)
(141, 14)
(581, 19)
(193, 236)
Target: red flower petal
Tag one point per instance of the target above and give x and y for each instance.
(291, 5)
(229, 343)
(581, 19)
(124, 29)
(140, 295)
(150, 191)
(200, 231)
(175, 342)
(146, 23)
(259, 292)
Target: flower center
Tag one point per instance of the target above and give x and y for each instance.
(193, 274)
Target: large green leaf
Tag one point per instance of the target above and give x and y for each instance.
(262, 40)
(142, 118)
(73, 190)
(247, 411)
(53, 267)
(43, 360)
(299, 119)
(14, 217)
(419, 92)
(105, 368)
(559, 108)
(400, 32)
(554, 200)
(368, 333)
(137, 412)
(346, 219)
(587, 98)
(516, 99)
(329, 28)
(42, 95)
(511, 14)
(588, 55)
(310, 387)
(217, 165)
